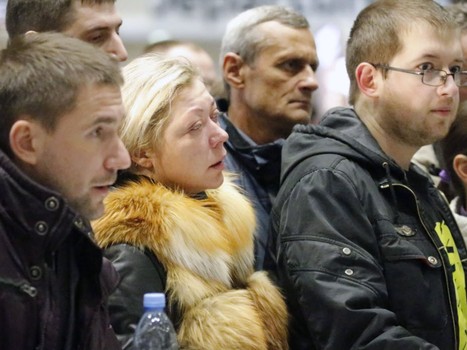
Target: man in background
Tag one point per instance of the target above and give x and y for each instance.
(194, 53)
(268, 60)
(93, 21)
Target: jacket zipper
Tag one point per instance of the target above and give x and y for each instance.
(22, 286)
(444, 262)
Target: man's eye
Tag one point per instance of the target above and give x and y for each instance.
(425, 66)
(292, 66)
(97, 132)
(455, 69)
(96, 38)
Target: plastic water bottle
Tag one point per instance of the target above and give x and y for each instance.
(155, 331)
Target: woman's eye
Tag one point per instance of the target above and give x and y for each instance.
(215, 116)
(97, 132)
(196, 126)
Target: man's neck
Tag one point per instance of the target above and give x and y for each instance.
(251, 125)
(399, 151)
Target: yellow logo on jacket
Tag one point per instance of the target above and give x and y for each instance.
(458, 276)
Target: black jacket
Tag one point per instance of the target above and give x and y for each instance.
(53, 281)
(357, 252)
(258, 170)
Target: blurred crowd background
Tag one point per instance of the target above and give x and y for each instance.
(203, 22)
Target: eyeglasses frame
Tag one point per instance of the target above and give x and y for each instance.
(422, 74)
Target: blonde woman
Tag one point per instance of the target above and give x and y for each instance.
(174, 224)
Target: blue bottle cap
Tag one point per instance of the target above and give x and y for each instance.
(154, 300)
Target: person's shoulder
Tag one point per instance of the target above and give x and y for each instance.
(323, 163)
(108, 277)
(124, 251)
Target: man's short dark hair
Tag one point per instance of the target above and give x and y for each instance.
(41, 75)
(41, 15)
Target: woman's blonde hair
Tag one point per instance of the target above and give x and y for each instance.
(151, 84)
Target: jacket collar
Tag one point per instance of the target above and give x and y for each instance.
(263, 161)
(34, 212)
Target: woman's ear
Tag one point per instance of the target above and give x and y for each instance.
(26, 141)
(144, 159)
(366, 76)
(459, 164)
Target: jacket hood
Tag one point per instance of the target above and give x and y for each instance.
(340, 132)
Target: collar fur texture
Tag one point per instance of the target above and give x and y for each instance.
(213, 237)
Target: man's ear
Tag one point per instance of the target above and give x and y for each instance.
(25, 140)
(232, 68)
(459, 164)
(367, 79)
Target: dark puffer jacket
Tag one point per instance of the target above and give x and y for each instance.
(53, 281)
(357, 252)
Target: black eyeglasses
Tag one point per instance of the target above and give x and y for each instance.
(431, 77)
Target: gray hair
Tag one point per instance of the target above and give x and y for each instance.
(241, 37)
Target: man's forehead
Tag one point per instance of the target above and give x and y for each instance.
(99, 104)
(298, 42)
(425, 41)
(90, 16)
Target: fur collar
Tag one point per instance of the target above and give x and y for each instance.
(212, 237)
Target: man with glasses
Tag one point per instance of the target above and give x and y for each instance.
(428, 157)
(367, 252)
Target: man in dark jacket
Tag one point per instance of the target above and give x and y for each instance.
(269, 60)
(60, 108)
(367, 251)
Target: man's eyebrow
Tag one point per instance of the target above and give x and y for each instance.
(432, 56)
(104, 120)
(104, 27)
